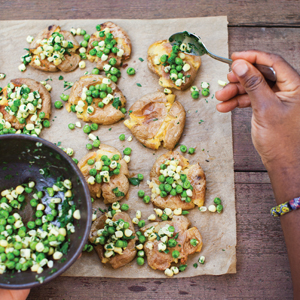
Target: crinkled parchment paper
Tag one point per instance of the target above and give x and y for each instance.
(212, 137)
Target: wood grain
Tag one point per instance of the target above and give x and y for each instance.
(282, 41)
(240, 13)
(262, 263)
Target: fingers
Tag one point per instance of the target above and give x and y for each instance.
(254, 84)
(229, 91)
(240, 101)
(231, 77)
(287, 77)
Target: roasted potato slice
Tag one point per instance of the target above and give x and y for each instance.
(122, 42)
(194, 174)
(159, 260)
(33, 86)
(157, 118)
(118, 185)
(119, 260)
(107, 115)
(70, 60)
(156, 50)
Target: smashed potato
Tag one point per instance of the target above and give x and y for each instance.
(107, 110)
(159, 63)
(111, 185)
(160, 260)
(118, 260)
(157, 118)
(171, 170)
(122, 43)
(51, 55)
(18, 111)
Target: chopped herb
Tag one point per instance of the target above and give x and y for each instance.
(102, 210)
(26, 49)
(188, 76)
(59, 143)
(141, 59)
(116, 103)
(48, 79)
(134, 181)
(176, 236)
(201, 121)
(60, 77)
(138, 84)
(182, 268)
(130, 111)
(223, 249)
(117, 192)
(109, 129)
(195, 265)
(8, 177)
(155, 119)
(167, 251)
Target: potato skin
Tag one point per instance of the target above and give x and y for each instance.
(108, 114)
(123, 42)
(161, 260)
(156, 118)
(194, 174)
(105, 189)
(70, 63)
(34, 86)
(164, 47)
(118, 260)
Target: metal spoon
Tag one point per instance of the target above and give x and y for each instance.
(198, 48)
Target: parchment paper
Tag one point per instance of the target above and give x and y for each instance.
(212, 138)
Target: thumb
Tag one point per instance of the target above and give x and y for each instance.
(253, 82)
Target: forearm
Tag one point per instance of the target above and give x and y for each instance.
(286, 186)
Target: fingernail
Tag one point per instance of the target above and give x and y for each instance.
(240, 68)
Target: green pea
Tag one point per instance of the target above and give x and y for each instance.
(217, 200)
(86, 37)
(163, 194)
(205, 92)
(130, 71)
(114, 50)
(101, 104)
(21, 198)
(183, 148)
(96, 143)
(186, 184)
(168, 188)
(127, 151)
(141, 193)
(162, 187)
(112, 61)
(114, 78)
(188, 200)
(140, 177)
(175, 254)
(164, 58)
(58, 104)
(140, 261)
(163, 166)
(219, 208)
(111, 230)
(28, 190)
(38, 222)
(142, 239)
(183, 177)
(122, 137)
(102, 95)
(161, 178)
(146, 199)
(141, 223)
(169, 180)
(98, 28)
(192, 150)
(50, 217)
(98, 178)
(195, 94)
(64, 97)
(124, 207)
(90, 162)
(179, 189)
(93, 172)
(89, 100)
(185, 212)
(116, 157)
(123, 110)
(87, 129)
(94, 126)
(31, 224)
(172, 243)
(75, 160)
(71, 126)
(46, 123)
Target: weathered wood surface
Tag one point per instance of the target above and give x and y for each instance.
(262, 263)
(240, 13)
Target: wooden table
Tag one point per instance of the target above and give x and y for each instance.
(262, 264)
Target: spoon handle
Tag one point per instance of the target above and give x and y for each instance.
(268, 72)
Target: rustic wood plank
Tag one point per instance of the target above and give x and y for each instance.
(240, 13)
(283, 41)
(262, 263)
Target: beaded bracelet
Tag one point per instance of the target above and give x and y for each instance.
(286, 207)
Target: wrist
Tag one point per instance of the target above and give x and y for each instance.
(285, 180)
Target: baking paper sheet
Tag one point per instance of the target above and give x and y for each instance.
(206, 129)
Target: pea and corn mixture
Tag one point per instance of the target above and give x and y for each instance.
(38, 243)
(101, 49)
(173, 182)
(23, 104)
(102, 91)
(53, 49)
(174, 64)
(115, 235)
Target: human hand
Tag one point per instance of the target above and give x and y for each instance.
(276, 112)
(14, 294)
